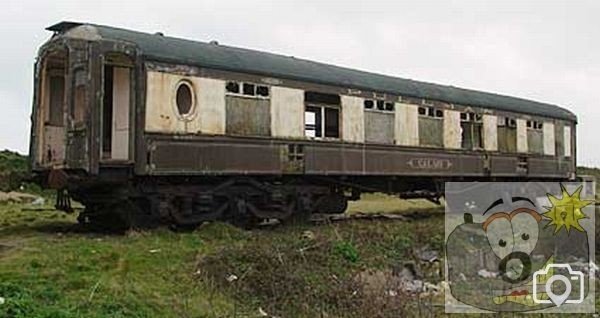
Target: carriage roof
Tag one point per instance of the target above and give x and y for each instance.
(211, 55)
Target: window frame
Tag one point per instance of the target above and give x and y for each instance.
(472, 119)
(240, 92)
(322, 116)
(191, 114)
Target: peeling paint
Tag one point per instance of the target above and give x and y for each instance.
(207, 116)
(353, 127)
(490, 132)
(567, 140)
(452, 129)
(549, 142)
(522, 135)
(407, 125)
(287, 112)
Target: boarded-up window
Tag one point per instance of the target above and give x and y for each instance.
(559, 141)
(379, 127)
(57, 96)
(78, 110)
(247, 116)
(507, 135)
(431, 127)
(535, 137)
(472, 127)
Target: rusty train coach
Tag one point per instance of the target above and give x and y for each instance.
(144, 128)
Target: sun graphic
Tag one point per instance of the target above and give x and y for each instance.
(567, 210)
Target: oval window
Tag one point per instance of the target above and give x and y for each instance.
(184, 98)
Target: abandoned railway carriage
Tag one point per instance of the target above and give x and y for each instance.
(143, 128)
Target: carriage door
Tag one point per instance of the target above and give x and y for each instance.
(115, 112)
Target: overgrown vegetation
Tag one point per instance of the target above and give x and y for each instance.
(14, 168)
(50, 267)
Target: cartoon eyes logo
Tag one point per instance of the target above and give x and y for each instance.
(517, 231)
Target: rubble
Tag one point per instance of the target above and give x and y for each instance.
(18, 197)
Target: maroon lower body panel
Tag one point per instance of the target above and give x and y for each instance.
(210, 155)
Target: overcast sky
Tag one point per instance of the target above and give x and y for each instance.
(543, 50)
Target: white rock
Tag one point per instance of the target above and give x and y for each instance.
(486, 274)
(262, 312)
(231, 278)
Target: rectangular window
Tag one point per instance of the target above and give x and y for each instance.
(535, 137)
(233, 87)
(248, 89)
(312, 122)
(57, 95)
(431, 127)
(507, 135)
(472, 128)
(322, 122)
(262, 91)
(332, 123)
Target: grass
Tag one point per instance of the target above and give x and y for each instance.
(49, 267)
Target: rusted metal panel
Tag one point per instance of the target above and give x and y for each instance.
(543, 167)
(188, 157)
(334, 160)
(247, 116)
(503, 166)
(379, 127)
(227, 155)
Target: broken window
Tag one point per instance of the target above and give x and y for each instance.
(535, 137)
(57, 96)
(80, 98)
(248, 89)
(381, 105)
(431, 127)
(507, 134)
(322, 122)
(247, 112)
(472, 128)
(262, 91)
(233, 87)
(389, 106)
(322, 115)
